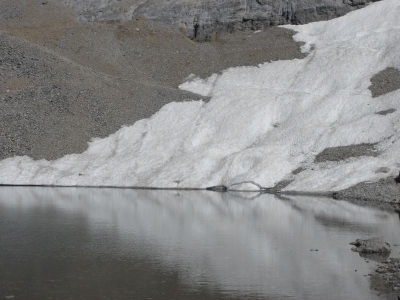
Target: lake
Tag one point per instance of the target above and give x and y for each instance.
(83, 243)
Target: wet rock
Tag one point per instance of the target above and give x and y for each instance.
(374, 245)
(217, 188)
(397, 179)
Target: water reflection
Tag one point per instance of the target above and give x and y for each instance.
(130, 244)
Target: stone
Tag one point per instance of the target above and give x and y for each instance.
(218, 188)
(373, 245)
(386, 112)
(397, 179)
(383, 170)
(358, 2)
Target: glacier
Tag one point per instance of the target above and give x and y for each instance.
(261, 123)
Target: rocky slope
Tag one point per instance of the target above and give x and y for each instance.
(63, 82)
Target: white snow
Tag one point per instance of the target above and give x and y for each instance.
(262, 122)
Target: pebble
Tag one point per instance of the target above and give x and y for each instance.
(390, 272)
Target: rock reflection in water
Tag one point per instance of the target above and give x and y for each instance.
(131, 244)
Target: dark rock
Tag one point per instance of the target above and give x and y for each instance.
(218, 188)
(397, 179)
(386, 112)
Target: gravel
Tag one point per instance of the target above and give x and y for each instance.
(385, 82)
(344, 152)
(386, 277)
(384, 193)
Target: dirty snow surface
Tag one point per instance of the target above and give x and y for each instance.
(262, 122)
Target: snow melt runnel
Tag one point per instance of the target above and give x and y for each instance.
(261, 123)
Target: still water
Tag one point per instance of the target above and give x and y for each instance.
(67, 243)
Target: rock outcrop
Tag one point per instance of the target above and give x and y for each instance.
(200, 19)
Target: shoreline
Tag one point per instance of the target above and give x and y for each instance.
(348, 195)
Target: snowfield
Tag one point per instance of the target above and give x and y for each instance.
(262, 122)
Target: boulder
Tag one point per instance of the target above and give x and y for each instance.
(374, 245)
(397, 179)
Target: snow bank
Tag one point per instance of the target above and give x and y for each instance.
(261, 123)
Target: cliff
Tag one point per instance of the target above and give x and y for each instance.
(200, 19)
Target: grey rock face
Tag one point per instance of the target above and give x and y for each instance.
(199, 19)
(374, 245)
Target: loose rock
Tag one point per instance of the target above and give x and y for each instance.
(387, 275)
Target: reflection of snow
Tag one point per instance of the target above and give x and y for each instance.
(260, 246)
(318, 102)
